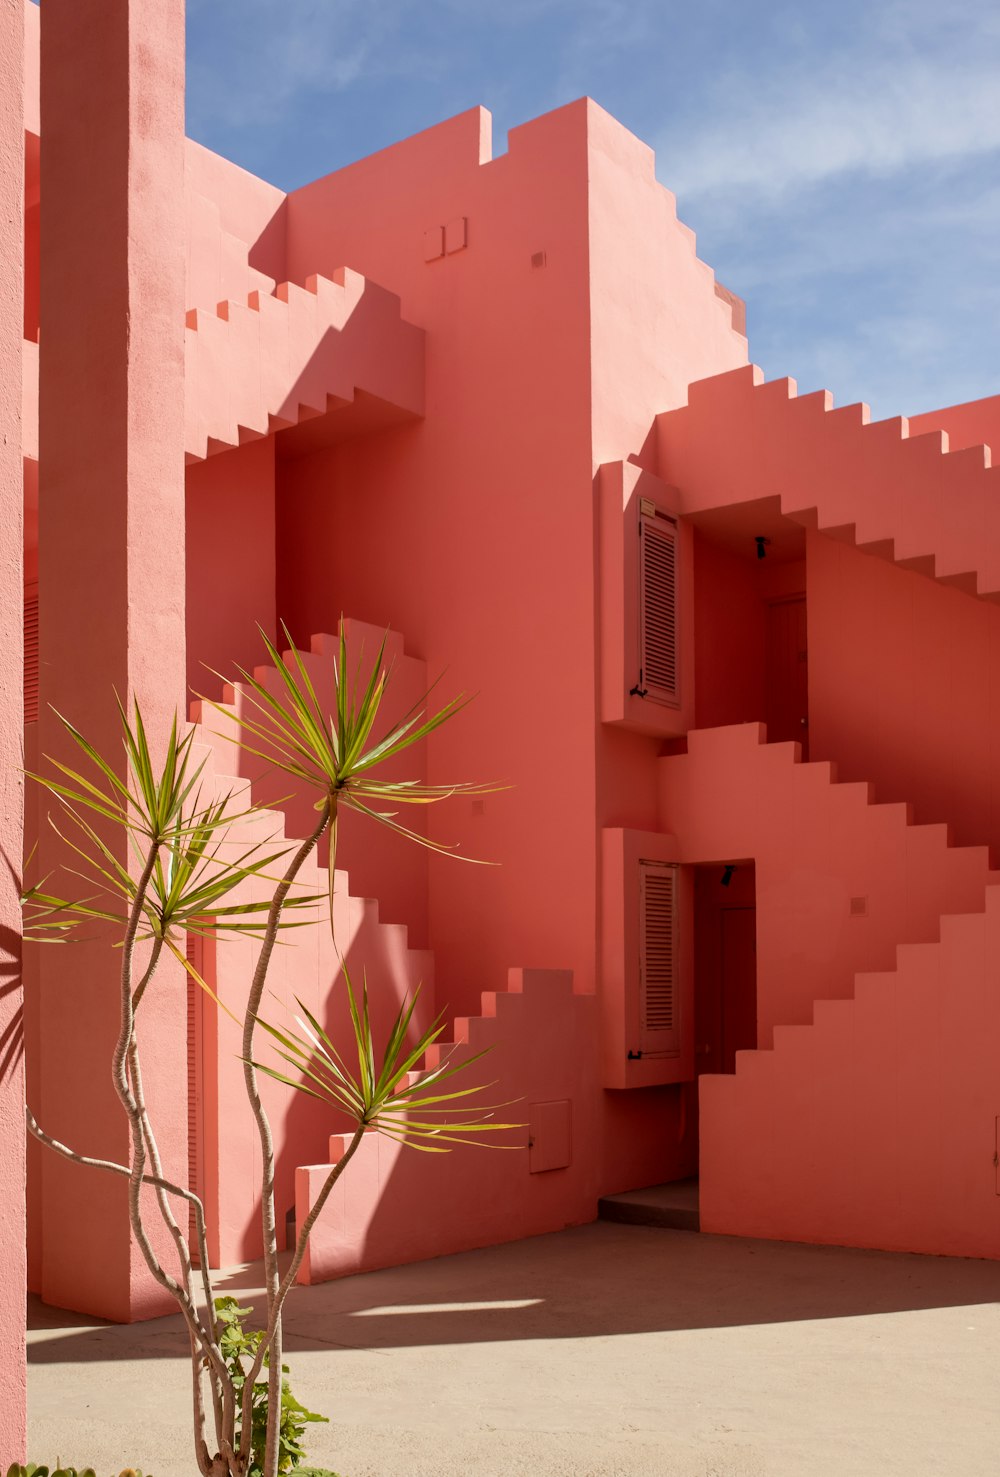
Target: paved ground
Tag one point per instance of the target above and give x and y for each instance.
(605, 1351)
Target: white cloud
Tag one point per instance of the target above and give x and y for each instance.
(881, 121)
(891, 87)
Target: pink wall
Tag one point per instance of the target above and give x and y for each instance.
(901, 690)
(111, 560)
(732, 594)
(656, 321)
(307, 968)
(229, 561)
(655, 324)
(974, 424)
(235, 227)
(12, 1213)
(32, 50)
(470, 512)
(309, 971)
(729, 637)
(498, 511)
(32, 243)
(396, 1205)
(380, 865)
(832, 468)
(877, 1126)
(553, 335)
(820, 848)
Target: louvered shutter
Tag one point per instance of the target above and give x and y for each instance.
(659, 1013)
(659, 677)
(194, 1083)
(31, 654)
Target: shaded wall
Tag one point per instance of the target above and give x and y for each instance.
(452, 531)
(12, 1214)
(975, 423)
(111, 570)
(903, 687)
(229, 561)
(656, 323)
(553, 338)
(235, 225)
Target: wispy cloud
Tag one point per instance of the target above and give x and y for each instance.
(898, 86)
(885, 119)
(839, 162)
(257, 60)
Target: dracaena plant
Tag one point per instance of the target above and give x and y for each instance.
(181, 870)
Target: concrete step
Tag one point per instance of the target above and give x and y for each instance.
(672, 1207)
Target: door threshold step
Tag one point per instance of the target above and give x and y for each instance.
(672, 1207)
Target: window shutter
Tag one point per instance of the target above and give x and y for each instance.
(31, 654)
(658, 606)
(659, 1013)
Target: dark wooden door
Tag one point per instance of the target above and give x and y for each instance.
(787, 670)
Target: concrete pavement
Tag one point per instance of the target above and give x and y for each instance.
(602, 1351)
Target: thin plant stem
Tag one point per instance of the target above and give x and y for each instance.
(170, 1220)
(285, 1287)
(89, 1162)
(267, 1160)
(170, 1284)
(35, 1128)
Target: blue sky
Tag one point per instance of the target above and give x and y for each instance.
(839, 162)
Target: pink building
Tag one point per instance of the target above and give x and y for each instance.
(737, 651)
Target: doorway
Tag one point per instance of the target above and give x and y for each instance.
(787, 673)
(725, 964)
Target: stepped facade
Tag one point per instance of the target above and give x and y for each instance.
(736, 651)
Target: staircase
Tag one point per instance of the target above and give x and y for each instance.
(540, 1037)
(741, 439)
(669, 1207)
(308, 969)
(280, 358)
(876, 1125)
(868, 1114)
(379, 863)
(840, 880)
(395, 1205)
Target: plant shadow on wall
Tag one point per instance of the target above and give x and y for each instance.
(153, 855)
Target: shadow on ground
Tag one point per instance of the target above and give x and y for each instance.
(594, 1281)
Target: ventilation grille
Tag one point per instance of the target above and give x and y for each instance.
(31, 656)
(658, 609)
(658, 956)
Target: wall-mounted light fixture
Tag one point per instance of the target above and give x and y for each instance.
(763, 544)
(727, 876)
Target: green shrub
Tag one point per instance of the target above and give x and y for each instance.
(34, 1469)
(236, 1345)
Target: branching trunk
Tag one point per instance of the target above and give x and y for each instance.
(274, 1321)
(267, 1167)
(201, 1339)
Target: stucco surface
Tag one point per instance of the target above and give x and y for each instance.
(606, 1351)
(11, 1063)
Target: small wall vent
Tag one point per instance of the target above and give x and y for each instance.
(31, 654)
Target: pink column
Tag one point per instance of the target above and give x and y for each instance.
(111, 561)
(12, 1269)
